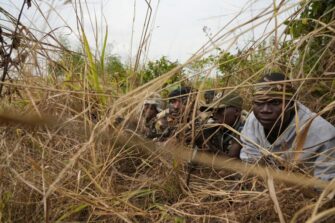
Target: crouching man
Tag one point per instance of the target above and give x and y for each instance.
(177, 114)
(151, 107)
(272, 130)
(215, 136)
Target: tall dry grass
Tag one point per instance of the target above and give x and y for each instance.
(64, 160)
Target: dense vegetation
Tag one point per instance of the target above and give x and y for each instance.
(63, 160)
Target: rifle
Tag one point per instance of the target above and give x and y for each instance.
(206, 134)
(191, 165)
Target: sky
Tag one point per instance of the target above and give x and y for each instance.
(178, 27)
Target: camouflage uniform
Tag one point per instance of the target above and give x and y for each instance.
(147, 127)
(164, 125)
(170, 120)
(217, 139)
(213, 136)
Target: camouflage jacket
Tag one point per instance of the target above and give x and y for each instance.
(147, 128)
(168, 125)
(165, 125)
(217, 139)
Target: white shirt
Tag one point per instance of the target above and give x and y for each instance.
(318, 151)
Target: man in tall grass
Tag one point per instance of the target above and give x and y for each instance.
(281, 128)
(177, 114)
(209, 96)
(215, 136)
(151, 107)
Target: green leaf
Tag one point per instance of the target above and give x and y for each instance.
(71, 211)
(102, 57)
(92, 77)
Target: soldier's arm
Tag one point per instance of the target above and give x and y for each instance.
(235, 149)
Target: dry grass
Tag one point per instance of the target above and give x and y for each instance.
(63, 160)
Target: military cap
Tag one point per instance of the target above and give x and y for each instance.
(180, 92)
(273, 86)
(154, 99)
(221, 100)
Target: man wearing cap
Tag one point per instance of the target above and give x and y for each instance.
(180, 106)
(226, 110)
(209, 96)
(274, 131)
(151, 107)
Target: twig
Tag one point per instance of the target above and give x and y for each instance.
(7, 56)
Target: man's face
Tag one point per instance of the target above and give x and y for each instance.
(270, 113)
(209, 96)
(149, 111)
(177, 105)
(226, 115)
